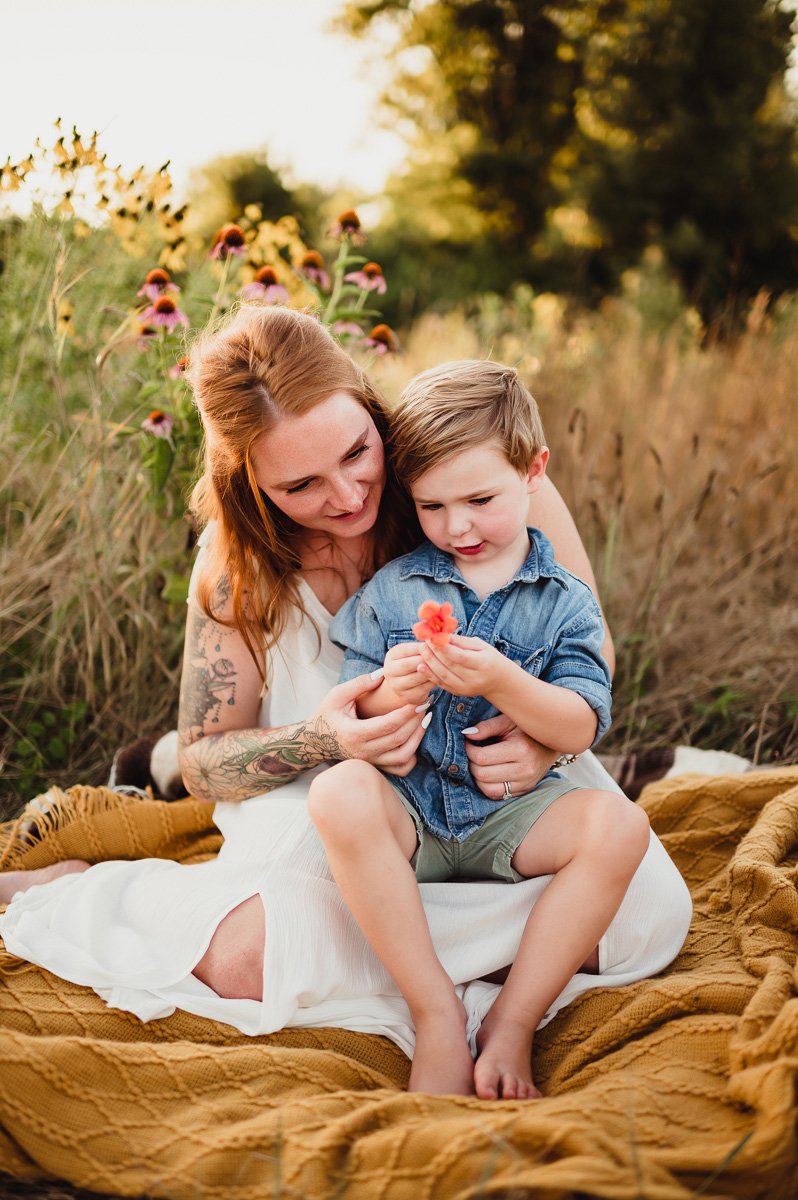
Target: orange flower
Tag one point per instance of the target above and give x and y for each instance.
(436, 623)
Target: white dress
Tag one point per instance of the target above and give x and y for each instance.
(134, 931)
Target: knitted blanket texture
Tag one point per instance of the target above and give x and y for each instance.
(679, 1085)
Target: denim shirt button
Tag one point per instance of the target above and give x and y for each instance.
(454, 769)
(460, 707)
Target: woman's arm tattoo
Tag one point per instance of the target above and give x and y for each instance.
(241, 762)
(247, 762)
(209, 677)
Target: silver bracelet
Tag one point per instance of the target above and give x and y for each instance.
(564, 760)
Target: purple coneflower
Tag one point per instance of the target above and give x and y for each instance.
(230, 239)
(144, 335)
(348, 226)
(266, 288)
(179, 368)
(382, 339)
(164, 312)
(347, 329)
(369, 277)
(157, 283)
(312, 267)
(158, 423)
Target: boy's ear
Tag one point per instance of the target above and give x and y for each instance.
(537, 470)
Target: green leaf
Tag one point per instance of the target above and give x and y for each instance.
(162, 462)
(56, 749)
(151, 389)
(175, 590)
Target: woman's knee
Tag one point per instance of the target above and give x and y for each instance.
(232, 966)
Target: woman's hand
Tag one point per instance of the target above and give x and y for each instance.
(388, 742)
(516, 759)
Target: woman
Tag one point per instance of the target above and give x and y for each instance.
(302, 507)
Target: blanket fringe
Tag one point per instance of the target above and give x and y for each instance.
(43, 816)
(11, 965)
(54, 810)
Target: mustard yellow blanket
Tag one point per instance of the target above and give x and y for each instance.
(676, 1085)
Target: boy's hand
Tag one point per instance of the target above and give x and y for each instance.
(467, 666)
(402, 675)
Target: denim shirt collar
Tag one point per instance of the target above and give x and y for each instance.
(431, 563)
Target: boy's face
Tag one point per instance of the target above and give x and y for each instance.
(474, 505)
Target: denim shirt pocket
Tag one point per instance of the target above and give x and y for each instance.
(396, 636)
(530, 661)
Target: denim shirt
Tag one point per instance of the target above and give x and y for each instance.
(544, 619)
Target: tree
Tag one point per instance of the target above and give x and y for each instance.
(687, 140)
(500, 77)
(589, 129)
(222, 189)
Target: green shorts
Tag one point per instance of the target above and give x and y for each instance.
(488, 852)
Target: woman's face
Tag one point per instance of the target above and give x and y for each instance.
(326, 469)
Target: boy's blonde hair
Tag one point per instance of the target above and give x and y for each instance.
(459, 405)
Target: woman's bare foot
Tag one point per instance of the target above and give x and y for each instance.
(503, 1070)
(12, 882)
(442, 1062)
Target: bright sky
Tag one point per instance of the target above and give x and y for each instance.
(187, 80)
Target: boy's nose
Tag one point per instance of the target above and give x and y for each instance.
(459, 523)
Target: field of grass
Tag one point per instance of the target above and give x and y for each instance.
(677, 454)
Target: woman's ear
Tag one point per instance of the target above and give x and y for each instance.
(537, 470)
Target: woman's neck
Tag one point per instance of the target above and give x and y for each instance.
(336, 568)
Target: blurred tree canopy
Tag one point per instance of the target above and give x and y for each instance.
(554, 142)
(221, 190)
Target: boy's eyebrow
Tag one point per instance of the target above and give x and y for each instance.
(293, 482)
(431, 500)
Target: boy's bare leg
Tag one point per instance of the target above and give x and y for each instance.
(12, 882)
(370, 838)
(592, 842)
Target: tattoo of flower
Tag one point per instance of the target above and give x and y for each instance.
(324, 742)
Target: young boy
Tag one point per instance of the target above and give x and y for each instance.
(468, 443)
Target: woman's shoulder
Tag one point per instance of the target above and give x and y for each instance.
(207, 577)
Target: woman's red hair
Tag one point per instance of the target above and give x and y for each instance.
(263, 364)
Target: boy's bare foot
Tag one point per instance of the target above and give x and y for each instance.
(503, 1070)
(12, 882)
(442, 1062)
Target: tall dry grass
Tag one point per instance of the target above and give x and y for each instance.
(90, 648)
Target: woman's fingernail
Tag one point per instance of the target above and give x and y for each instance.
(426, 720)
(423, 707)
(378, 674)
(472, 729)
